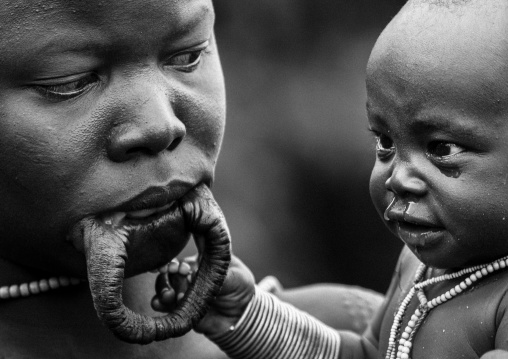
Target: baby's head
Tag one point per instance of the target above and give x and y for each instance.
(111, 110)
(437, 83)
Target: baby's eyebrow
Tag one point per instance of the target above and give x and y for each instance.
(458, 126)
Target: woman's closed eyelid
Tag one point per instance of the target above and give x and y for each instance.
(189, 59)
(60, 90)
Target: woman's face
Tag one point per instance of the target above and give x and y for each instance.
(106, 108)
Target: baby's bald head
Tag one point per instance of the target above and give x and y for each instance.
(437, 44)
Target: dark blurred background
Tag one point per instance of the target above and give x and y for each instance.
(295, 165)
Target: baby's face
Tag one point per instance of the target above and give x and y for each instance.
(101, 101)
(438, 105)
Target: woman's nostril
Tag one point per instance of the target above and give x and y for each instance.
(147, 151)
(174, 144)
(136, 151)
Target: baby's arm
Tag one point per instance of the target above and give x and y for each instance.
(269, 328)
(501, 340)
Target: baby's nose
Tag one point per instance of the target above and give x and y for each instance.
(146, 125)
(405, 179)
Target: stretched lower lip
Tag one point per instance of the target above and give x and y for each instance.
(136, 217)
(416, 235)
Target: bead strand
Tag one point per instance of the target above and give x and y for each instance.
(406, 337)
(36, 287)
(394, 331)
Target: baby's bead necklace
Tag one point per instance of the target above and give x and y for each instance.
(405, 341)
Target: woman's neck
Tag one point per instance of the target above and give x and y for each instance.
(12, 273)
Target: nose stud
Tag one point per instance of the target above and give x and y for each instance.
(385, 214)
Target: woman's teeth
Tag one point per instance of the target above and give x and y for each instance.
(115, 218)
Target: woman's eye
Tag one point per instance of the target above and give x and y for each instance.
(187, 61)
(67, 90)
(384, 146)
(444, 149)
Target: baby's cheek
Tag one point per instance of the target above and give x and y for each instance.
(378, 191)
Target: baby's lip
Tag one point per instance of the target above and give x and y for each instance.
(412, 213)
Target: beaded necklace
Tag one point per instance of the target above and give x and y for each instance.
(406, 338)
(36, 287)
(44, 285)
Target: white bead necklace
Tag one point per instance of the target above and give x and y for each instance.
(36, 287)
(406, 338)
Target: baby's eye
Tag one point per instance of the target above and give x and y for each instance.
(187, 61)
(67, 90)
(444, 149)
(384, 146)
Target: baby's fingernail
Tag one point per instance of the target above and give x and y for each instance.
(189, 278)
(168, 296)
(163, 269)
(180, 296)
(156, 304)
(184, 268)
(173, 267)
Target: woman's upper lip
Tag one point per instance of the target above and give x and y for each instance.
(154, 197)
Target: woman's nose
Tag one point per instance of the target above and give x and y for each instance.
(145, 125)
(405, 179)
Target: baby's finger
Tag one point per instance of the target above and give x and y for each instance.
(173, 266)
(184, 269)
(162, 282)
(159, 306)
(179, 280)
(193, 261)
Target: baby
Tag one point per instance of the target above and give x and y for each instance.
(437, 85)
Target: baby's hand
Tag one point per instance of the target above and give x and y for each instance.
(228, 307)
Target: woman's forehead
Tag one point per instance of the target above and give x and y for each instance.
(31, 30)
(140, 15)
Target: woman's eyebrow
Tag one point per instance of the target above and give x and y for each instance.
(68, 43)
(204, 14)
